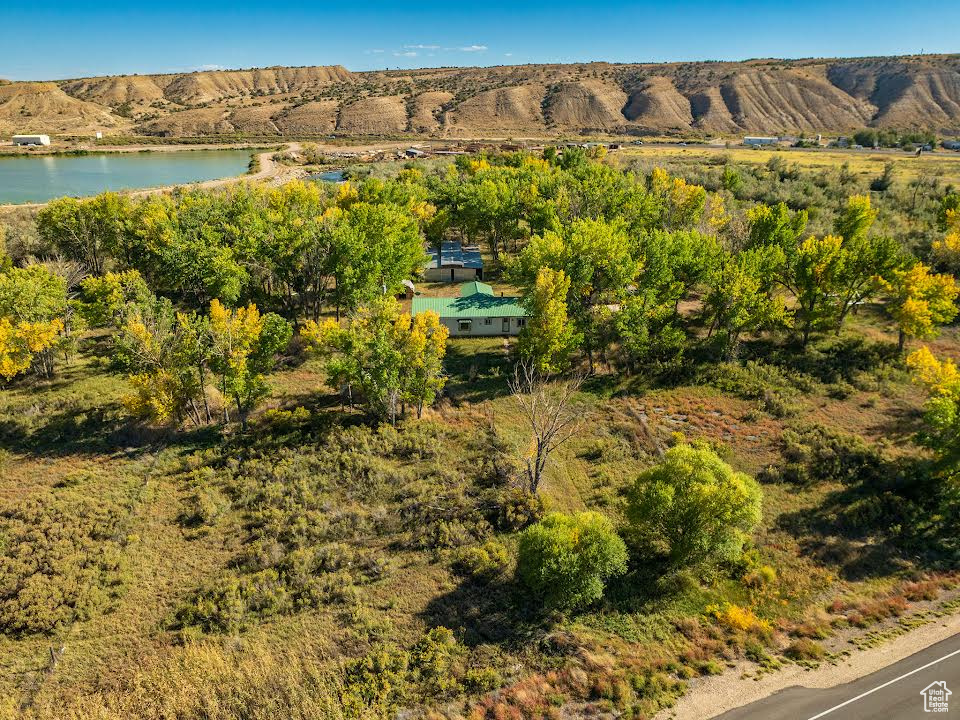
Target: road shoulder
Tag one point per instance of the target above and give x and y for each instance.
(713, 696)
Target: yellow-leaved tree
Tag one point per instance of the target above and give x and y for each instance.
(34, 316)
(243, 346)
(381, 357)
(946, 251)
(920, 301)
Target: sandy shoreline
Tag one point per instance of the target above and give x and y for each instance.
(715, 695)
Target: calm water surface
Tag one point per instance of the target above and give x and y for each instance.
(39, 178)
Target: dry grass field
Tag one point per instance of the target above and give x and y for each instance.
(865, 164)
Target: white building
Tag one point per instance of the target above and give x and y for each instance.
(31, 139)
(755, 141)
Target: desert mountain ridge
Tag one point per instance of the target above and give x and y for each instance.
(717, 98)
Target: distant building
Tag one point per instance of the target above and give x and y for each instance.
(757, 141)
(951, 144)
(454, 263)
(476, 313)
(414, 153)
(31, 139)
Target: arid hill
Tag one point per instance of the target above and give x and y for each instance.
(727, 98)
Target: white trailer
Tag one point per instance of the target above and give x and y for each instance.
(31, 139)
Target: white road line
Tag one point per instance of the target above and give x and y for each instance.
(881, 687)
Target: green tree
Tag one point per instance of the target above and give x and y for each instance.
(595, 255)
(548, 339)
(567, 559)
(85, 230)
(813, 273)
(167, 382)
(740, 296)
(108, 298)
(376, 247)
(775, 226)
(693, 507)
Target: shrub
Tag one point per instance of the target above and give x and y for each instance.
(734, 617)
(518, 509)
(61, 563)
(693, 507)
(566, 559)
(816, 454)
(805, 649)
(483, 561)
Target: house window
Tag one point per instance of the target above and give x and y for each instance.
(506, 325)
(488, 321)
(521, 322)
(464, 325)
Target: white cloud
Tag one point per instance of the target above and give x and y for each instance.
(508, 54)
(408, 53)
(375, 51)
(473, 48)
(421, 47)
(208, 68)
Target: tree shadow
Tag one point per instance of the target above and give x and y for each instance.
(494, 611)
(874, 527)
(829, 359)
(476, 375)
(100, 430)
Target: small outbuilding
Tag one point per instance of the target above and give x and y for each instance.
(31, 139)
(476, 313)
(453, 262)
(758, 141)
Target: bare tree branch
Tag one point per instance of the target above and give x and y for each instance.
(548, 410)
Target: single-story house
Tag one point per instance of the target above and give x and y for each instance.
(454, 263)
(476, 313)
(31, 139)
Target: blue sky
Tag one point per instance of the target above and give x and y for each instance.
(57, 39)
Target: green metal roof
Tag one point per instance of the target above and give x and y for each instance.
(477, 305)
(474, 287)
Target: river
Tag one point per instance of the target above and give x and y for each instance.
(38, 178)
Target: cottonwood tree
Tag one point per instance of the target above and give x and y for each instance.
(920, 301)
(36, 318)
(865, 261)
(166, 385)
(382, 356)
(693, 507)
(548, 338)
(740, 296)
(85, 230)
(567, 559)
(812, 273)
(595, 255)
(550, 415)
(243, 346)
(423, 348)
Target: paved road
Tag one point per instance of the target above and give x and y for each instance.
(886, 694)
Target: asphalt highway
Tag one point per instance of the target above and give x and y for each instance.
(893, 693)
